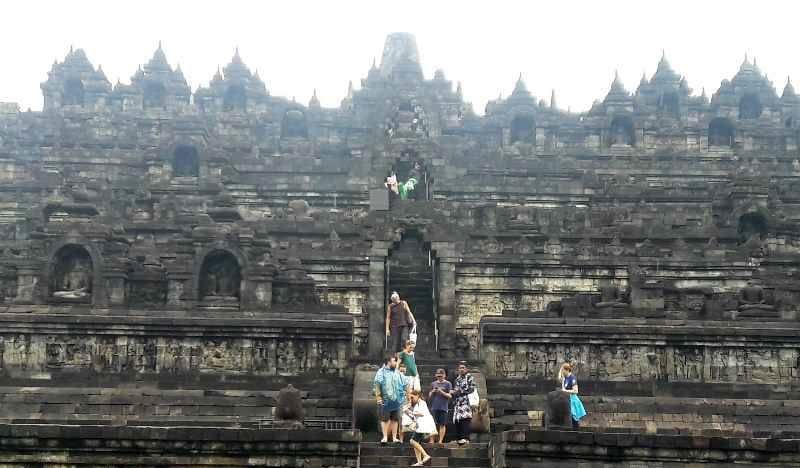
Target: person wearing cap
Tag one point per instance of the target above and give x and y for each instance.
(440, 396)
(399, 321)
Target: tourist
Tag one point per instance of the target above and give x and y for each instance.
(569, 384)
(399, 321)
(391, 183)
(390, 393)
(462, 411)
(409, 387)
(408, 359)
(440, 396)
(422, 425)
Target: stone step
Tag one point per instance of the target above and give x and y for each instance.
(450, 450)
(474, 455)
(435, 461)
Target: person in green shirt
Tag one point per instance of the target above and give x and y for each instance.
(407, 358)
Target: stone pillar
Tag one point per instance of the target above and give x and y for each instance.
(27, 280)
(376, 302)
(446, 294)
(258, 288)
(178, 284)
(115, 282)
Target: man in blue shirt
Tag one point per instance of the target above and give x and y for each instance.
(440, 396)
(390, 392)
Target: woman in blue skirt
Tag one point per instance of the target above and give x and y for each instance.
(569, 384)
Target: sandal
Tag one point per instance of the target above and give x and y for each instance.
(384, 442)
(425, 460)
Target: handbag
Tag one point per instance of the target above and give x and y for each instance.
(409, 423)
(474, 398)
(412, 337)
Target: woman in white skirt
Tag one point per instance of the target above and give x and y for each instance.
(421, 422)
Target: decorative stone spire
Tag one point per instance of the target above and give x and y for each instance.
(314, 101)
(788, 90)
(553, 104)
(75, 82)
(459, 92)
(664, 72)
(350, 89)
(519, 87)
(401, 57)
(159, 60)
(236, 69)
(746, 66)
(617, 88)
(235, 89)
(156, 84)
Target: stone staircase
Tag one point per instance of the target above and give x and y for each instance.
(410, 274)
(373, 455)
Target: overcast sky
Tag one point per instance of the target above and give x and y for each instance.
(572, 46)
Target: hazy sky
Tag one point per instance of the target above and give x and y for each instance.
(572, 46)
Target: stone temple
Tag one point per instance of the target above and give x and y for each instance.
(171, 260)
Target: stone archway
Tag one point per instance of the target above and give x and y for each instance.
(621, 131)
(523, 129)
(185, 161)
(235, 99)
(154, 95)
(410, 165)
(294, 124)
(750, 106)
(73, 93)
(752, 224)
(720, 132)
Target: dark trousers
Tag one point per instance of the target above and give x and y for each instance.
(397, 339)
(462, 428)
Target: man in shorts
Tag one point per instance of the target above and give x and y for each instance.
(440, 396)
(390, 393)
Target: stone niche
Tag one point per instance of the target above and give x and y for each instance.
(220, 280)
(71, 275)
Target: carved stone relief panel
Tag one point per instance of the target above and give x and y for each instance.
(172, 355)
(612, 362)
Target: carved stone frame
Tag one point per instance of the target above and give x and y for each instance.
(99, 296)
(241, 259)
